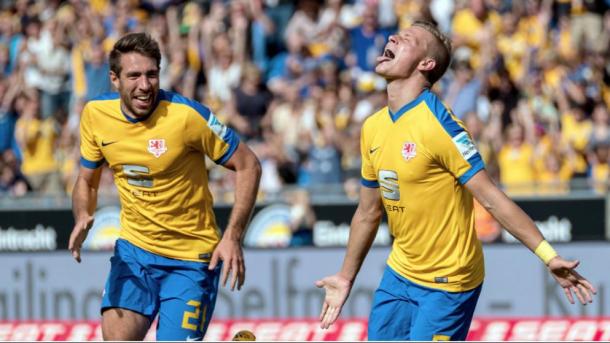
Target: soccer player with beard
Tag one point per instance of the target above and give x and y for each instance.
(170, 256)
(420, 164)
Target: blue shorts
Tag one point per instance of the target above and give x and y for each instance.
(403, 310)
(183, 293)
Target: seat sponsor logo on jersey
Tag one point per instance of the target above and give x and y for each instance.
(465, 145)
(408, 150)
(157, 147)
(219, 128)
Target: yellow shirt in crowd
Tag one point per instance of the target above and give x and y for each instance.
(516, 169)
(38, 150)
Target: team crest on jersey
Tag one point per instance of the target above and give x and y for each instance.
(157, 147)
(408, 150)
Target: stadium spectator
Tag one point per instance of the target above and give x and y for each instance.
(516, 159)
(552, 54)
(586, 17)
(10, 88)
(249, 103)
(37, 137)
(366, 40)
(292, 118)
(599, 173)
(322, 166)
(271, 182)
(96, 73)
(290, 68)
(12, 181)
(224, 49)
(473, 25)
(598, 150)
(261, 30)
(12, 38)
(306, 23)
(302, 218)
(601, 120)
(463, 91)
(554, 166)
(45, 57)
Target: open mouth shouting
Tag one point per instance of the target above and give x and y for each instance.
(388, 55)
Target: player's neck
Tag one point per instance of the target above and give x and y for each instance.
(402, 92)
(130, 114)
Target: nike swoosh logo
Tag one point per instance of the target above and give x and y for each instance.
(189, 338)
(107, 143)
(373, 150)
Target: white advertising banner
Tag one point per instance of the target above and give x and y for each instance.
(280, 284)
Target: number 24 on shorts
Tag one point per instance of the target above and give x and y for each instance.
(186, 324)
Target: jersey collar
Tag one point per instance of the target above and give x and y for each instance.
(133, 120)
(408, 106)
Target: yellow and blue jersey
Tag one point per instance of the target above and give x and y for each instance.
(420, 157)
(160, 170)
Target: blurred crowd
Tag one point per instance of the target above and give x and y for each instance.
(530, 79)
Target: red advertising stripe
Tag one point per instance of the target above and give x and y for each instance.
(482, 329)
(540, 329)
(219, 330)
(289, 330)
(50, 331)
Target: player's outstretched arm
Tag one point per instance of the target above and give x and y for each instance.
(364, 226)
(84, 199)
(247, 176)
(520, 225)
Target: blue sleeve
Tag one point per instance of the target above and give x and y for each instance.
(369, 183)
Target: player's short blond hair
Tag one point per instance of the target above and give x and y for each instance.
(440, 52)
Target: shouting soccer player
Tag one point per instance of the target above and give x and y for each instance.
(170, 255)
(422, 167)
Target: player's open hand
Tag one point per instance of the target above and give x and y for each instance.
(229, 252)
(564, 272)
(337, 289)
(78, 235)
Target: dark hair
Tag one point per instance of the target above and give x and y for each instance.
(140, 42)
(441, 52)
